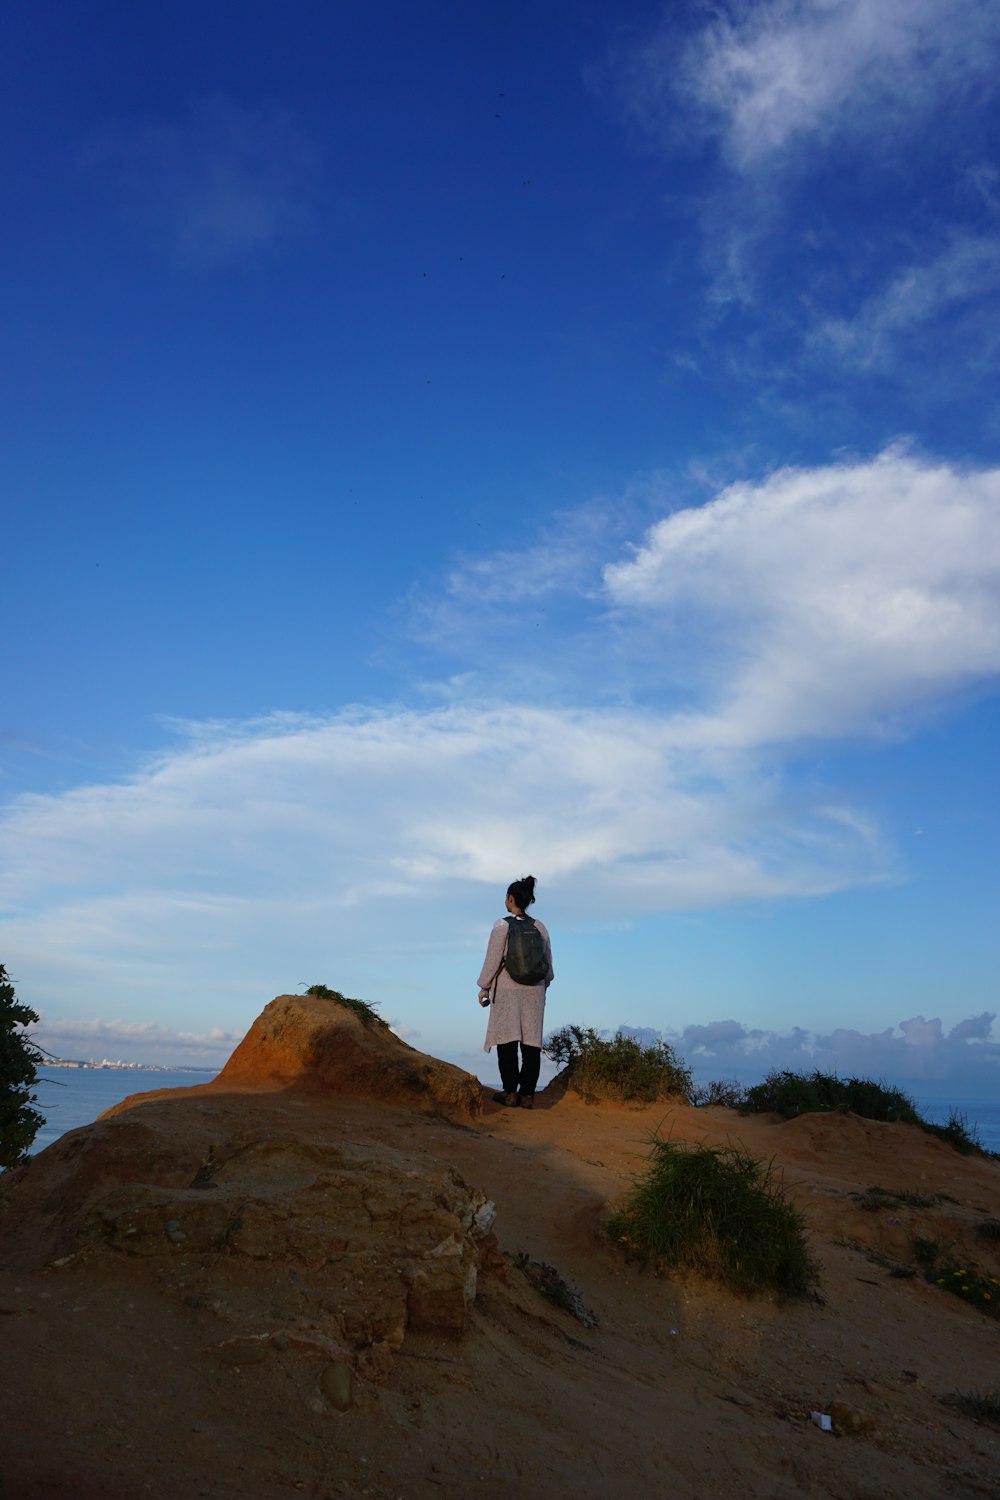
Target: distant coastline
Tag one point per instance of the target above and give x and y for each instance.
(123, 1067)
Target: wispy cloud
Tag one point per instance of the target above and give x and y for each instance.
(916, 297)
(764, 77)
(508, 608)
(216, 185)
(828, 146)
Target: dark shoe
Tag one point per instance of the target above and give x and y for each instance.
(511, 1100)
(527, 1101)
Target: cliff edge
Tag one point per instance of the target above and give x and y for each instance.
(339, 1270)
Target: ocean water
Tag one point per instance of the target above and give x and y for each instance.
(69, 1097)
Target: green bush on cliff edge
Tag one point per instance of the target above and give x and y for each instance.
(362, 1009)
(19, 1123)
(619, 1067)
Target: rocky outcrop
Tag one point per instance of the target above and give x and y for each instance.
(309, 1042)
(374, 1244)
(360, 1240)
(245, 1212)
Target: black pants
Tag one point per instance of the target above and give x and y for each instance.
(512, 1080)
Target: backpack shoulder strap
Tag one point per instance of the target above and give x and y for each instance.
(503, 959)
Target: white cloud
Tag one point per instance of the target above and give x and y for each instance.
(837, 596)
(316, 819)
(361, 848)
(218, 184)
(367, 851)
(767, 75)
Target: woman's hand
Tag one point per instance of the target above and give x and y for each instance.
(484, 998)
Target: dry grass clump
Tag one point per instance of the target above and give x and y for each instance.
(878, 1199)
(724, 1092)
(981, 1406)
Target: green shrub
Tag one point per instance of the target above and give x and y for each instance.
(791, 1094)
(618, 1067)
(716, 1210)
(877, 1101)
(19, 1059)
(784, 1094)
(567, 1045)
(361, 1008)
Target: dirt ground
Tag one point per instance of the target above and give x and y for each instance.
(115, 1382)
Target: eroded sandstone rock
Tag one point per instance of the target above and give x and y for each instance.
(252, 1201)
(312, 1042)
(389, 1245)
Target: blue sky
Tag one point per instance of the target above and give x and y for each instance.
(441, 445)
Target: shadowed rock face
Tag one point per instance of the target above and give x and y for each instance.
(377, 1244)
(305, 1041)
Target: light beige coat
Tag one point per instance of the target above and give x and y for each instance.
(517, 1010)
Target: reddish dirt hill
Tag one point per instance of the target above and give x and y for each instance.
(291, 1281)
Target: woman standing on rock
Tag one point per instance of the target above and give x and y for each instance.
(516, 973)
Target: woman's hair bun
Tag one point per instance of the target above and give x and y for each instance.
(523, 891)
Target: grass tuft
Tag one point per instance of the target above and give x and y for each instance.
(618, 1067)
(361, 1008)
(875, 1199)
(719, 1211)
(981, 1406)
(957, 1133)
